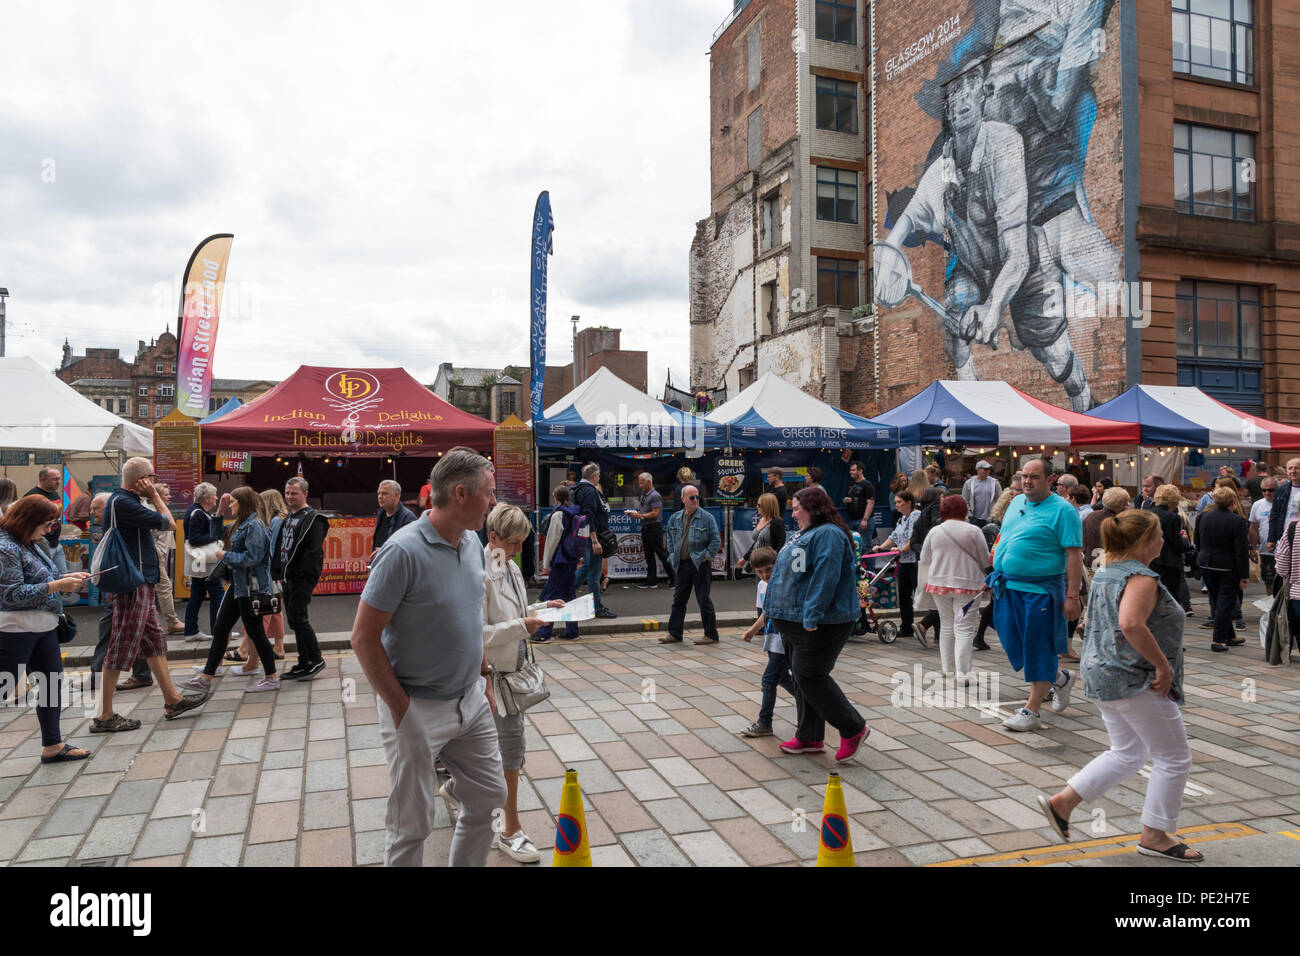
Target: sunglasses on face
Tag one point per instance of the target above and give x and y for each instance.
(692, 497)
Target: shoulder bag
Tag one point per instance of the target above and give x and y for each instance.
(525, 687)
(121, 576)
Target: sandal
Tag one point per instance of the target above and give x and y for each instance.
(604, 584)
(237, 657)
(1177, 852)
(66, 754)
(1059, 823)
(115, 724)
(134, 683)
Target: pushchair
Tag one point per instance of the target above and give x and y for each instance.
(868, 583)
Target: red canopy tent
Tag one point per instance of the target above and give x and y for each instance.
(348, 412)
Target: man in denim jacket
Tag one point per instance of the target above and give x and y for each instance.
(693, 540)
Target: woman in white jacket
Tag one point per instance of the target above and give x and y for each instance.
(954, 561)
(508, 621)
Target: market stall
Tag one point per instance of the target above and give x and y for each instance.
(344, 430)
(626, 432)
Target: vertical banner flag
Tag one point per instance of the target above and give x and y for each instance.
(543, 226)
(202, 286)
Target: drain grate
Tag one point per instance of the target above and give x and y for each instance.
(98, 861)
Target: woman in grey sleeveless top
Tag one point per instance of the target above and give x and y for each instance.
(1133, 668)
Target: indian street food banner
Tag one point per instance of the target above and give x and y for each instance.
(203, 285)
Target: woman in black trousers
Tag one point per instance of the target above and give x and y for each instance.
(1222, 554)
(1169, 563)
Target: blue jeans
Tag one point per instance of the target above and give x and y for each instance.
(212, 589)
(776, 675)
(560, 584)
(589, 571)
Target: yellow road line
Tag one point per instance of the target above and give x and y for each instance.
(1290, 833)
(1108, 846)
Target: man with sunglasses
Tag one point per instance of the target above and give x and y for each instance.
(1260, 513)
(693, 540)
(1037, 570)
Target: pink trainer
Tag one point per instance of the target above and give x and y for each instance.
(797, 746)
(849, 745)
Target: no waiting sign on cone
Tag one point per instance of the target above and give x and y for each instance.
(571, 847)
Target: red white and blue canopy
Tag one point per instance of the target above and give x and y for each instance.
(994, 413)
(1175, 415)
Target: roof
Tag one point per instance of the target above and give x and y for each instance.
(45, 413)
(102, 383)
(238, 384)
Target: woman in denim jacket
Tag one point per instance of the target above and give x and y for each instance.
(29, 614)
(1133, 667)
(813, 601)
(249, 561)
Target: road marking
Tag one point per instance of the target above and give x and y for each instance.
(1290, 833)
(1109, 846)
(650, 624)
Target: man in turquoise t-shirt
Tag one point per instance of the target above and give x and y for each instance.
(1037, 569)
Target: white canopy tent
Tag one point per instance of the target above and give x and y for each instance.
(41, 412)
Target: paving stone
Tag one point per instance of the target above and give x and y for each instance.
(164, 837)
(646, 784)
(195, 766)
(52, 848)
(329, 728)
(113, 836)
(243, 750)
(622, 811)
(753, 842)
(709, 849)
(133, 796)
(111, 760)
(326, 810)
(170, 739)
(32, 801)
(326, 848)
(180, 799)
(654, 848)
(286, 739)
(226, 815)
(363, 736)
(710, 802)
(283, 760)
(327, 750)
(234, 779)
(279, 785)
(91, 785)
(274, 822)
(70, 816)
(675, 815)
(930, 821)
(369, 847)
(926, 853)
(216, 851)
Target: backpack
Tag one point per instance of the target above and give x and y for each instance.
(577, 536)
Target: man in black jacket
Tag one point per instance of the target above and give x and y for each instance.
(297, 557)
(392, 514)
(1286, 504)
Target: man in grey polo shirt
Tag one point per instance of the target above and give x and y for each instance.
(418, 635)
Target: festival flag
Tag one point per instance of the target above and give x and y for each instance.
(543, 226)
(71, 491)
(196, 326)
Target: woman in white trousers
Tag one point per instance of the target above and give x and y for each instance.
(954, 561)
(1133, 668)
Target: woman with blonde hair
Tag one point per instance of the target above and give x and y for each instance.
(1133, 668)
(508, 622)
(1222, 552)
(769, 532)
(276, 511)
(920, 482)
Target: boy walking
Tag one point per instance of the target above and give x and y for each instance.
(778, 665)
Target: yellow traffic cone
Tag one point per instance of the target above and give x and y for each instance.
(571, 847)
(835, 847)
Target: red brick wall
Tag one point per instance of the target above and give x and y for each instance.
(98, 363)
(912, 344)
(731, 101)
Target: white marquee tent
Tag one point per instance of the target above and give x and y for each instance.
(40, 412)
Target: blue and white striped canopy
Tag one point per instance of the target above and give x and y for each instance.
(772, 413)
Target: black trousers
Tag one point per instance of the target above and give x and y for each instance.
(1169, 577)
(235, 609)
(818, 699)
(1223, 602)
(652, 543)
(686, 579)
(140, 670)
(906, 580)
(297, 599)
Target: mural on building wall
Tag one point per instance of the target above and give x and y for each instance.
(1002, 190)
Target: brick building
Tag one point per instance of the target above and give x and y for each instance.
(777, 271)
(144, 389)
(490, 393)
(1072, 197)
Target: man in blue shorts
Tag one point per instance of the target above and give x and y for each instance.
(1037, 569)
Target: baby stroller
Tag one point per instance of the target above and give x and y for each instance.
(868, 581)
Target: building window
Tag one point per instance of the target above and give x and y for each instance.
(1214, 172)
(756, 138)
(164, 410)
(754, 56)
(172, 368)
(166, 391)
(158, 367)
(835, 20)
(866, 112)
(121, 406)
(509, 404)
(747, 375)
(837, 282)
(142, 411)
(1215, 38)
(1218, 321)
(771, 237)
(837, 194)
(766, 311)
(837, 105)
(143, 391)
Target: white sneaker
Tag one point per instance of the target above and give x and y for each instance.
(518, 847)
(1061, 693)
(266, 683)
(198, 669)
(1023, 719)
(198, 638)
(447, 794)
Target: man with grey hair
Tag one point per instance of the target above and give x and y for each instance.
(418, 636)
(1065, 484)
(649, 512)
(391, 516)
(693, 540)
(136, 631)
(140, 676)
(587, 496)
(297, 558)
(980, 491)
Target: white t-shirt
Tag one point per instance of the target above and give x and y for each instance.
(1259, 514)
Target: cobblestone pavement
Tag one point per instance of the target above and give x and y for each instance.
(298, 776)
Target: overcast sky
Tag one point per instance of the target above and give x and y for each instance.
(378, 164)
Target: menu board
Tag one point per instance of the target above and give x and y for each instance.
(513, 460)
(729, 481)
(177, 457)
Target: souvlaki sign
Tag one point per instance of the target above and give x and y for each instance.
(923, 46)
